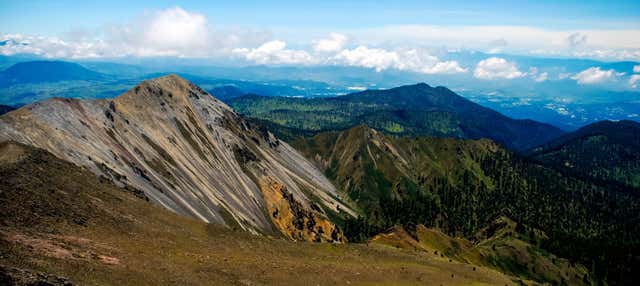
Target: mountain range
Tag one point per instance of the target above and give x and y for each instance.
(416, 110)
(560, 102)
(167, 184)
(46, 71)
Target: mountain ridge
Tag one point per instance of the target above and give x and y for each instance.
(188, 152)
(605, 150)
(411, 110)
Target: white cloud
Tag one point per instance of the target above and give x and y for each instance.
(497, 46)
(407, 60)
(594, 75)
(52, 47)
(378, 59)
(176, 28)
(497, 68)
(538, 76)
(181, 33)
(541, 77)
(616, 54)
(576, 39)
(169, 32)
(616, 44)
(564, 75)
(275, 52)
(633, 80)
(636, 69)
(446, 67)
(334, 43)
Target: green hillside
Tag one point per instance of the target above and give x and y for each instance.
(461, 186)
(605, 150)
(407, 110)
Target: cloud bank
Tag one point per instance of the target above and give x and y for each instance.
(595, 75)
(175, 32)
(336, 42)
(497, 68)
(275, 52)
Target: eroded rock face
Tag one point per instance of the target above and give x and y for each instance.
(293, 219)
(186, 151)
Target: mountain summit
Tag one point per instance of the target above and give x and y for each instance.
(188, 152)
(414, 110)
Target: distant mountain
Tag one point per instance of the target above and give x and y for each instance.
(226, 92)
(190, 153)
(407, 110)
(6, 108)
(462, 186)
(606, 150)
(46, 71)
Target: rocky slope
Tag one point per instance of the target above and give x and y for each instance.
(188, 152)
(62, 225)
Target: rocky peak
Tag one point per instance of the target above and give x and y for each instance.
(186, 150)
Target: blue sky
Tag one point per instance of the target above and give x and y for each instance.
(57, 17)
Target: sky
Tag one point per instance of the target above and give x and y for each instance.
(416, 36)
(57, 17)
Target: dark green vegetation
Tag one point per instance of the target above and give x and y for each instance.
(61, 225)
(606, 150)
(408, 110)
(461, 186)
(46, 71)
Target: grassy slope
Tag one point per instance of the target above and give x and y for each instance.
(60, 219)
(506, 250)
